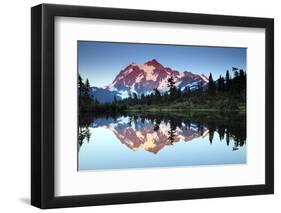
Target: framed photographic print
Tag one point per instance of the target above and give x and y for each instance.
(140, 106)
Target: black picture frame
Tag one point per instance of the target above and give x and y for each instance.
(43, 105)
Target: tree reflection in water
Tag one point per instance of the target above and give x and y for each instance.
(167, 128)
(83, 129)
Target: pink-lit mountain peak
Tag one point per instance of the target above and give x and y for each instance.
(143, 78)
(140, 73)
(151, 68)
(154, 63)
(147, 67)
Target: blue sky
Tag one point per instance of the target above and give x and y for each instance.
(100, 62)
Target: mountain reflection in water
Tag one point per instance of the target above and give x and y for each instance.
(155, 133)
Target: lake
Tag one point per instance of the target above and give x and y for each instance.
(149, 140)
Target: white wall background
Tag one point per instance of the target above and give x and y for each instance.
(15, 105)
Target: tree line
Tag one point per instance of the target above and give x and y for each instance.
(227, 93)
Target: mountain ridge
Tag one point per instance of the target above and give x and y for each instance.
(143, 78)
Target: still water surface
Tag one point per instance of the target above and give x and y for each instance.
(145, 141)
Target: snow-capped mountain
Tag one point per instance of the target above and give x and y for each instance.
(143, 78)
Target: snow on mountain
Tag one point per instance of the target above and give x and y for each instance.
(205, 78)
(143, 78)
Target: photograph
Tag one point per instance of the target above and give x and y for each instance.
(132, 105)
(160, 105)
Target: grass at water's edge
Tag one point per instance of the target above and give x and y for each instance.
(209, 106)
(163, 108)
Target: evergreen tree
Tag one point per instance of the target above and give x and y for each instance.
(135, 97)
(80, 84)
(227, 80)
(235, 85)
(221, 84)
(172, 133)
(87, 86)
(227, 137)
(212, 86)
(157, 95)
(156, 92)
(172, 88)
(171, 84)
(199, 90)
(80, 92)
(86, 100)
(186, 92)
(242, 79)
(211, 135)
